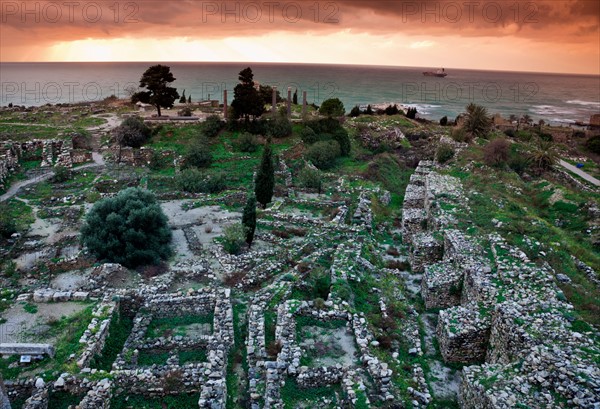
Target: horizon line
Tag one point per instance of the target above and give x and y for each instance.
(301, 63)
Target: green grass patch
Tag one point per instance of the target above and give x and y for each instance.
(147, 357)
(120, 328)
(160, 327)
(292, 395)
(167, 402)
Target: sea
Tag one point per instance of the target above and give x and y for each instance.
(560, 99)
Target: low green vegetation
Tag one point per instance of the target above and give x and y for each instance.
(161, 327)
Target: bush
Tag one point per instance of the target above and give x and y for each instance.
(279, 127)
(332, 107)
(324, 154)
(193, 180)
(8, 226)
(478, 123)
(130, 229)
(518, 162)
(411, 113)
(495, 153)
(444, 121)
(247, 142)
(234, 237)
(159, 161)
(392, 110)
(212, 126)
(310, 178)
(510, 133)
(198, 155)
(132, 132)
(593, 144)
(186, 111)
(61, 174)
(341, 137)
(308, 135)
(460, 135)
(444, 153)
(354, 112)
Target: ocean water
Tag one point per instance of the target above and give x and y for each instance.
(555, 98)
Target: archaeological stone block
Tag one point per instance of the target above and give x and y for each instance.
(441, 285)
(425, 249)
(463, 334)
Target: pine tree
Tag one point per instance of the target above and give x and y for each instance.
(249, 219)
(369, 110)
(265, 177)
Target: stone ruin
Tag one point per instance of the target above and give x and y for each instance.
(500, 312)
(51, 152)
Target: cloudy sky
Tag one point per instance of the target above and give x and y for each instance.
(542, 35)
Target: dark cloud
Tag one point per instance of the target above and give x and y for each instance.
(542, 20)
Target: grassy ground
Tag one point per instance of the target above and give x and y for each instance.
(547, 219)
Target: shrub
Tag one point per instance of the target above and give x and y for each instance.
(279, 127)
(478, 123)
(495, 153)
(61, 174)
(310, 178)
(510, 133)
(324, 154)
(193, 180)
(354, 112)
(444, 152)
(543, 155)
(308, 135)
(8, 226)
(392, 110)
(459, 135)
(130, 229)
(411, 113)
(132, 132)
(518, 162)
(247, 142)
(212, 126)
(593, 144)
(444, 121)
(332, 107)
(159, 161)
(234, 237)
(341, 136)
(198, 154)
(186, 111)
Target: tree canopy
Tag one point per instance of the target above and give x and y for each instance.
(130, 229)
(332, 107)
(158, 93)
(247, 100)
(265, 178)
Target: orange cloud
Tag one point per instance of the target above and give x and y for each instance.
(548, 31)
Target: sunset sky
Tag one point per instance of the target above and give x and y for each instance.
(544, 35)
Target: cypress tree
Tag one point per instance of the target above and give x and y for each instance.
(265, 177)
(295, 97)
(249, 219)
(183, 99)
